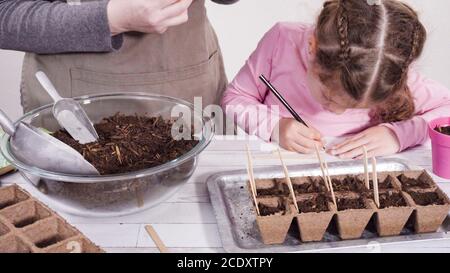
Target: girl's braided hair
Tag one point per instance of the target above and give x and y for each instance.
(370, 49)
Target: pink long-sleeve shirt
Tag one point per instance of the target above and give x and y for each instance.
(283, 57)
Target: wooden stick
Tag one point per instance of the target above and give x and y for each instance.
(375, 182)
(253, 191)
(288, 179)
(250, 172)
(6, 170)
(155, 237)
(366, 168)
(330, 184)
(319, 157)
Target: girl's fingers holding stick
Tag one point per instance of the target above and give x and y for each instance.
(299, 148)
(307, 144)
(308, 132)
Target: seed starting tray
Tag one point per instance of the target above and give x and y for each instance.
(28, 226)
(241, 231)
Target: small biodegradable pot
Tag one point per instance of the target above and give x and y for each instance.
(424, 180)
(440, 148)
(428, 218)
(352, 222)
(313, 225)
(390, 221)
(274, 228)
(271, 187)
(308, 185)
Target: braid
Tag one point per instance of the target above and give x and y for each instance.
(342, 23)
(414, 47)
(415, 44)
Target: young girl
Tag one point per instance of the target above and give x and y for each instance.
(349, 75)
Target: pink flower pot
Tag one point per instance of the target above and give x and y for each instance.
(440, 148)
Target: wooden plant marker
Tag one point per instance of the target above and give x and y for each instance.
(253, 191)
(6, 170)
(366, 168)
(250, 170)
(330, 187)
(319, 157)
(375, 182)
(251, 179)
(155, 237)
(288, 179)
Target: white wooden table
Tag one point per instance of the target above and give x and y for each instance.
(186, 222)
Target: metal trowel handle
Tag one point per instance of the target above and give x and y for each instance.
(48, 86)
(7, 124)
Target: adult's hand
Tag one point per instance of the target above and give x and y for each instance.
(146, 16)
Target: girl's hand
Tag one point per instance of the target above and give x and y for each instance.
(296, 137)
(379, 141)
(146, 16)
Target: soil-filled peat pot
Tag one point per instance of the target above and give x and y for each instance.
(348, 183)
(431, 209)
(315, 214)
(393, 213)
(271, 187)
(353, 214)
(305, 185)
(275, 219)
(415, 179)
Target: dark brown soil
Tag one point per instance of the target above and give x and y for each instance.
(408, 182)
(346, 204)
(130, 143)
(427, 198)
(386, 184)
(443, 130)
(266, 210)
(350, 183)
(314, 185)
(392, 199)
(279, 189)
(317, 204)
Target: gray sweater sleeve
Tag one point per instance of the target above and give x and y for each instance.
(48, 27)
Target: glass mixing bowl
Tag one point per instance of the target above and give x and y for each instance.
(121, 194)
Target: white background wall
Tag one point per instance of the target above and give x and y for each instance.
(240, 27)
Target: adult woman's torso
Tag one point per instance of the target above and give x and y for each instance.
(184, 62)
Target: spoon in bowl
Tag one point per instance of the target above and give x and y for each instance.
(69, 113)
(36, 148)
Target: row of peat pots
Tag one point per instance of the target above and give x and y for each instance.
(406, 198)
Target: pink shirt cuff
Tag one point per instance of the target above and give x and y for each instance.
(409, 133)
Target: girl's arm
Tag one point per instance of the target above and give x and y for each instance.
(246, 94)
(55, 27)
(432, 100)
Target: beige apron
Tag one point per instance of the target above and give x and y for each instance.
(184, 62)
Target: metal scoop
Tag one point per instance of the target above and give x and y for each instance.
(37, 148)
(69, 113)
